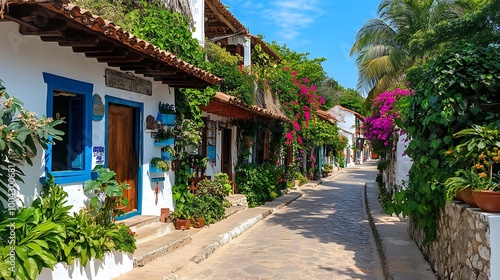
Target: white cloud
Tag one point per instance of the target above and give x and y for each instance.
(290, 17)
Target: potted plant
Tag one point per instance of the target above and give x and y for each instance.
(166, 113)
(181, 219)
(164, 137)
(157, 165)
(481, 156)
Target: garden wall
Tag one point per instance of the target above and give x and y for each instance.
(468, 241)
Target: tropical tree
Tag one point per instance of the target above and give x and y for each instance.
(382, 45)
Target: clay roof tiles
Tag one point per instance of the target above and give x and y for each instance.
(80, 19)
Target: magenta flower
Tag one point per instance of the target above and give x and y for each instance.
(296, 125)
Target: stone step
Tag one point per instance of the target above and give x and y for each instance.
(152, 231)
(137, 222)
(153, 248)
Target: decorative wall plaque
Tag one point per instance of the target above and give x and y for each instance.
(97, 108)
(117, 79)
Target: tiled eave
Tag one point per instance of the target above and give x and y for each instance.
(323, 115)
(72, 26)
(219, 23)
(229, 106)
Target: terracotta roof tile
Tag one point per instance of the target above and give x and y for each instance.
(108, 30)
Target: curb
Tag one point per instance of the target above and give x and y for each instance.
(399, 255)
(225, 238)
(381, 252)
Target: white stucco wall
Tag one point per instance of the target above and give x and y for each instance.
(198, 11)
(403, 162)
(24, 58)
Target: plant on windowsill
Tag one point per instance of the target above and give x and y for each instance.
(158, 165)
(164, 137)
(166, 113)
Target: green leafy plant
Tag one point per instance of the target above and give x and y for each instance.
(209, 207)
(446, 100)
(166, 108)
(257, 182)
(106, 195)
(160, 164)
(37, 244)
(21, 131)
(164, 134)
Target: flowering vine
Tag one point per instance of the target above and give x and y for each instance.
(301, 108)
(380, 126)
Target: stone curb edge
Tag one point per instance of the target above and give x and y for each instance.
(388, 274)
(225, 238)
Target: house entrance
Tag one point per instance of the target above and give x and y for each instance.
(122, 149)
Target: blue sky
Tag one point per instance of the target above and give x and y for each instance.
(321, 28)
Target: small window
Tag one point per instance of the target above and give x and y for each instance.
(69, 154)
(69, 160)
(211, 141)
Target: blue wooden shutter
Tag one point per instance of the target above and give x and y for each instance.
(76, 131)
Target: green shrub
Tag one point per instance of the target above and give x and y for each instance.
(258, 182)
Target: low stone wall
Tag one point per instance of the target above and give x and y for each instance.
(468, 241)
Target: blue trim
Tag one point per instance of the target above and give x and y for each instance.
(55, 82)
(139, 146)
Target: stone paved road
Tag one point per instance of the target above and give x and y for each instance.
(323, 235)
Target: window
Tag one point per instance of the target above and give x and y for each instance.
(69, 160)
(211, 141)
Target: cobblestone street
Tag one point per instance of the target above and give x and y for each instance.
(323, 235)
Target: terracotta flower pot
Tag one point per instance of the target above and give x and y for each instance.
(488, 201)
(198, 223)
(182, 224)
(468, 198)
(458, 195)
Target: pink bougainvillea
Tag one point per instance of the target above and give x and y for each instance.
(379, 127)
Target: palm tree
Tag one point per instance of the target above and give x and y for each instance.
(180, 6)
(382, 45)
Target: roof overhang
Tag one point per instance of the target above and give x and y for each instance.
(72, 26)
(221, 23)
(229, 106)
(323, 115)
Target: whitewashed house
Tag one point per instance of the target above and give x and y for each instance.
(62, 61)
(349, 123)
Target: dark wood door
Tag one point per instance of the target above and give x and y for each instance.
(122, 155)
(227, 163)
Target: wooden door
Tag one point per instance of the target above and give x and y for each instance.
(122, 155)
(227, 163)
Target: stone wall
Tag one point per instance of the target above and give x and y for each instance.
(467, 242)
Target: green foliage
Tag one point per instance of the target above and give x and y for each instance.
(36, 244)
(321, 133)
(113, 10)
(183, 200)
(159, 163)
(237, 82)
(21, 131)
(351, 99)
(106, 195)
(302, 179)
(383, 164)
(448, 94)
(86, 239)
(167, 30)
(257, 182)
(210, 207)
(166, 108)
(46, 234)
(300, 62)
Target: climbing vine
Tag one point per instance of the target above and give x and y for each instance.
(449, 93)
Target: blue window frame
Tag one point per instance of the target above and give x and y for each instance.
(70, 160)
